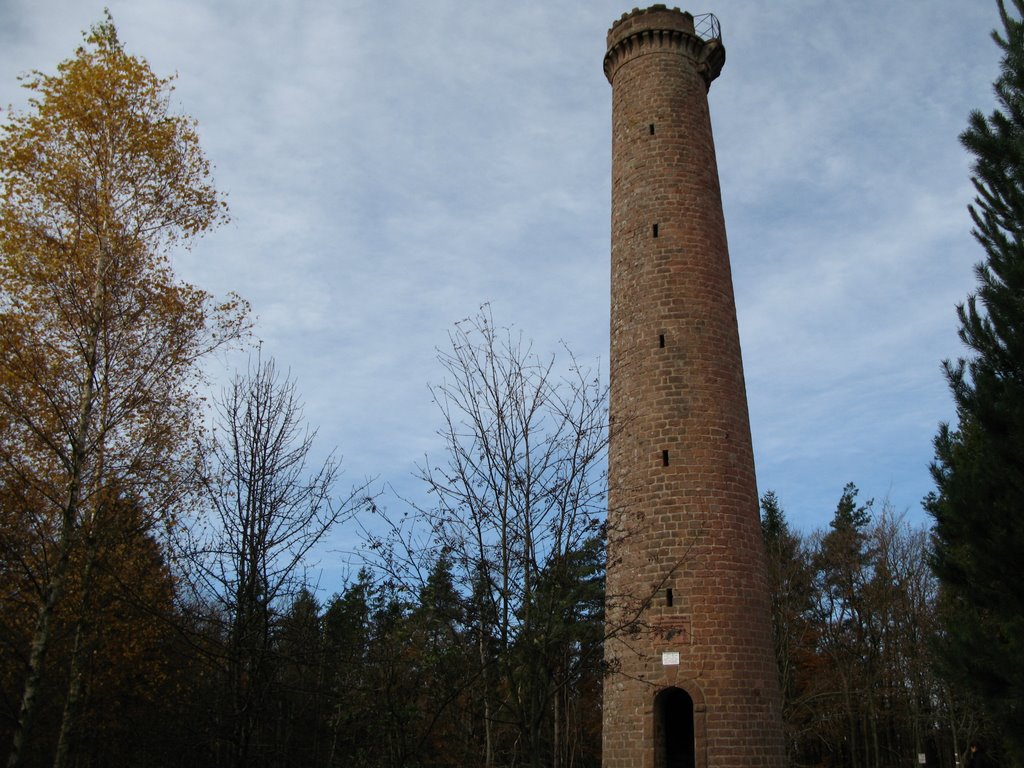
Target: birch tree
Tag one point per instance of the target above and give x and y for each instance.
(99, 342)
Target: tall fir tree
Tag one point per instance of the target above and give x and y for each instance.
(978, 506)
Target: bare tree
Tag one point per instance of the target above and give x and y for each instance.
(518, 499)
(270, 508)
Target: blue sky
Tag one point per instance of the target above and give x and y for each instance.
(391, 166)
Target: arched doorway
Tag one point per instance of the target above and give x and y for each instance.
(674, 743)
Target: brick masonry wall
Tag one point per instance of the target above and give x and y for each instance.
(683, 509)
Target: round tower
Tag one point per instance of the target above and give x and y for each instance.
(693, 678)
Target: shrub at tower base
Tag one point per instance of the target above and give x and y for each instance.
(979, 466)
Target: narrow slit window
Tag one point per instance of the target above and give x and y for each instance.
(661, 340)
(664, 458)
(655, 230)
(652, 129)
(668, 597)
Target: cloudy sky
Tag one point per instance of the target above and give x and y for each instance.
(392, 165)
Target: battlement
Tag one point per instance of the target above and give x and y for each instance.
(659, 28)
(705, 26)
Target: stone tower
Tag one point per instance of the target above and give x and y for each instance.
(693, 678)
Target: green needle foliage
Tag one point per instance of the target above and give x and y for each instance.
(978, 508)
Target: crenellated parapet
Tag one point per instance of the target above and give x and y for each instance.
(660, 29)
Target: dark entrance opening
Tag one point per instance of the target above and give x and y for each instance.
(673, 730)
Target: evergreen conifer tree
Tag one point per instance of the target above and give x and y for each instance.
(978, 507)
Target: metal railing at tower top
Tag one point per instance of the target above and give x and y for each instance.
(706, 26)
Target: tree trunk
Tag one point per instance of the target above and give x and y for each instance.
(40, 641)
(55, 588)
(70, 716)
(556, 741)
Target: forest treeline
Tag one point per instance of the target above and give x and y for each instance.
(855, 610)
(385, 676)
(156, 604)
